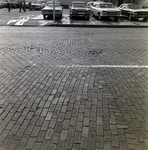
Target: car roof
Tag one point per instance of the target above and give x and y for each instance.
(51, 2)
(129, 4)
(102, 3)
(77, 2)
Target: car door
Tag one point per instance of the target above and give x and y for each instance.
(124, 10)
(95, 7)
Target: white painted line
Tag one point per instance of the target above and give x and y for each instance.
(23, 20)
(45, 22)
(38, 17)
(11, 21)
(102, 66)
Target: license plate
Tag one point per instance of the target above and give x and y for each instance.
(81, 13)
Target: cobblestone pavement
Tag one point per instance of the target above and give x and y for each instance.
(73, 89)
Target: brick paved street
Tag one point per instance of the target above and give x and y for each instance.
(73, 88)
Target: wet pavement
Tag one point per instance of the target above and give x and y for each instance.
(73, 88)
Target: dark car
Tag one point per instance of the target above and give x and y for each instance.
(47, 11)
(13, 3)
(1, 5)
(79, 9)
(133, 11)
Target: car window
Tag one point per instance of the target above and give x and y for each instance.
(51, 5)
(134, 7)
(79, 5)
(106, 6)
(121, 6)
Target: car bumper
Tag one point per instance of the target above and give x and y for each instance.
(139, 16)
(111, 15)
(50, 14)
(36, 7)
(80, 14)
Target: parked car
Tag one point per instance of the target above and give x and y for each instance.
(133, 11)
(79, 9)
(105, 9)
(1, 5)
(38, 5)
(47, 11)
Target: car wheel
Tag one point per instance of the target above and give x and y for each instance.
(92, 14)
(60, 16)
(145, 19)
(116, 18)
(130, 17)
(87, 17)
(44, 16)
(70, 16)
(100, 18)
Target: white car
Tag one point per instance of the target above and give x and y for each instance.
(37, 5)
(133, 11)
(47, 11)
(104, 9)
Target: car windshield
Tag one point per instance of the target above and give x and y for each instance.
(79, 5)
(38, 2)
(134, 7)
(106, 6)
(51, 5)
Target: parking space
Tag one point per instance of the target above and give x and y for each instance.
(35, 18)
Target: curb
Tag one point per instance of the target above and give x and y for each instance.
(79, 25)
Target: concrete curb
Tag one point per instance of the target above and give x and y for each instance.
(79, 25)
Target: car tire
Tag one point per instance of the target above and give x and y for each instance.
(60, 16)
(70, 16)
(116, 18)
(99, 17)
(130, 17)
(87, 18)
(44, 16)
(145, 19)
(92, 14)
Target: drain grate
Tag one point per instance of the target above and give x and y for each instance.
(95, 52)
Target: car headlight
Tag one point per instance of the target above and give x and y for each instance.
(73, 10)
(118, 12)
(104, 12)
(135, 13)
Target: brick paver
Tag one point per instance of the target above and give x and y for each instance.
(56, 95)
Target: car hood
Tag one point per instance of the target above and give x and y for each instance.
(80, 9)
(36, 4)
(110, 9)
(51, 8)
(138, 10)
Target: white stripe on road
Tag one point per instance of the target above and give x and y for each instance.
(23, 20)
(102, 66)
(45, 22)
(11, 21)
(19, 21)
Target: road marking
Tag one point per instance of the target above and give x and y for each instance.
(20, 21)
(23, 20)
(38, 17)
(11, 21)
(102, 66)
(45, 22)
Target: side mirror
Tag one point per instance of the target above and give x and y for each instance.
(69, 6)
